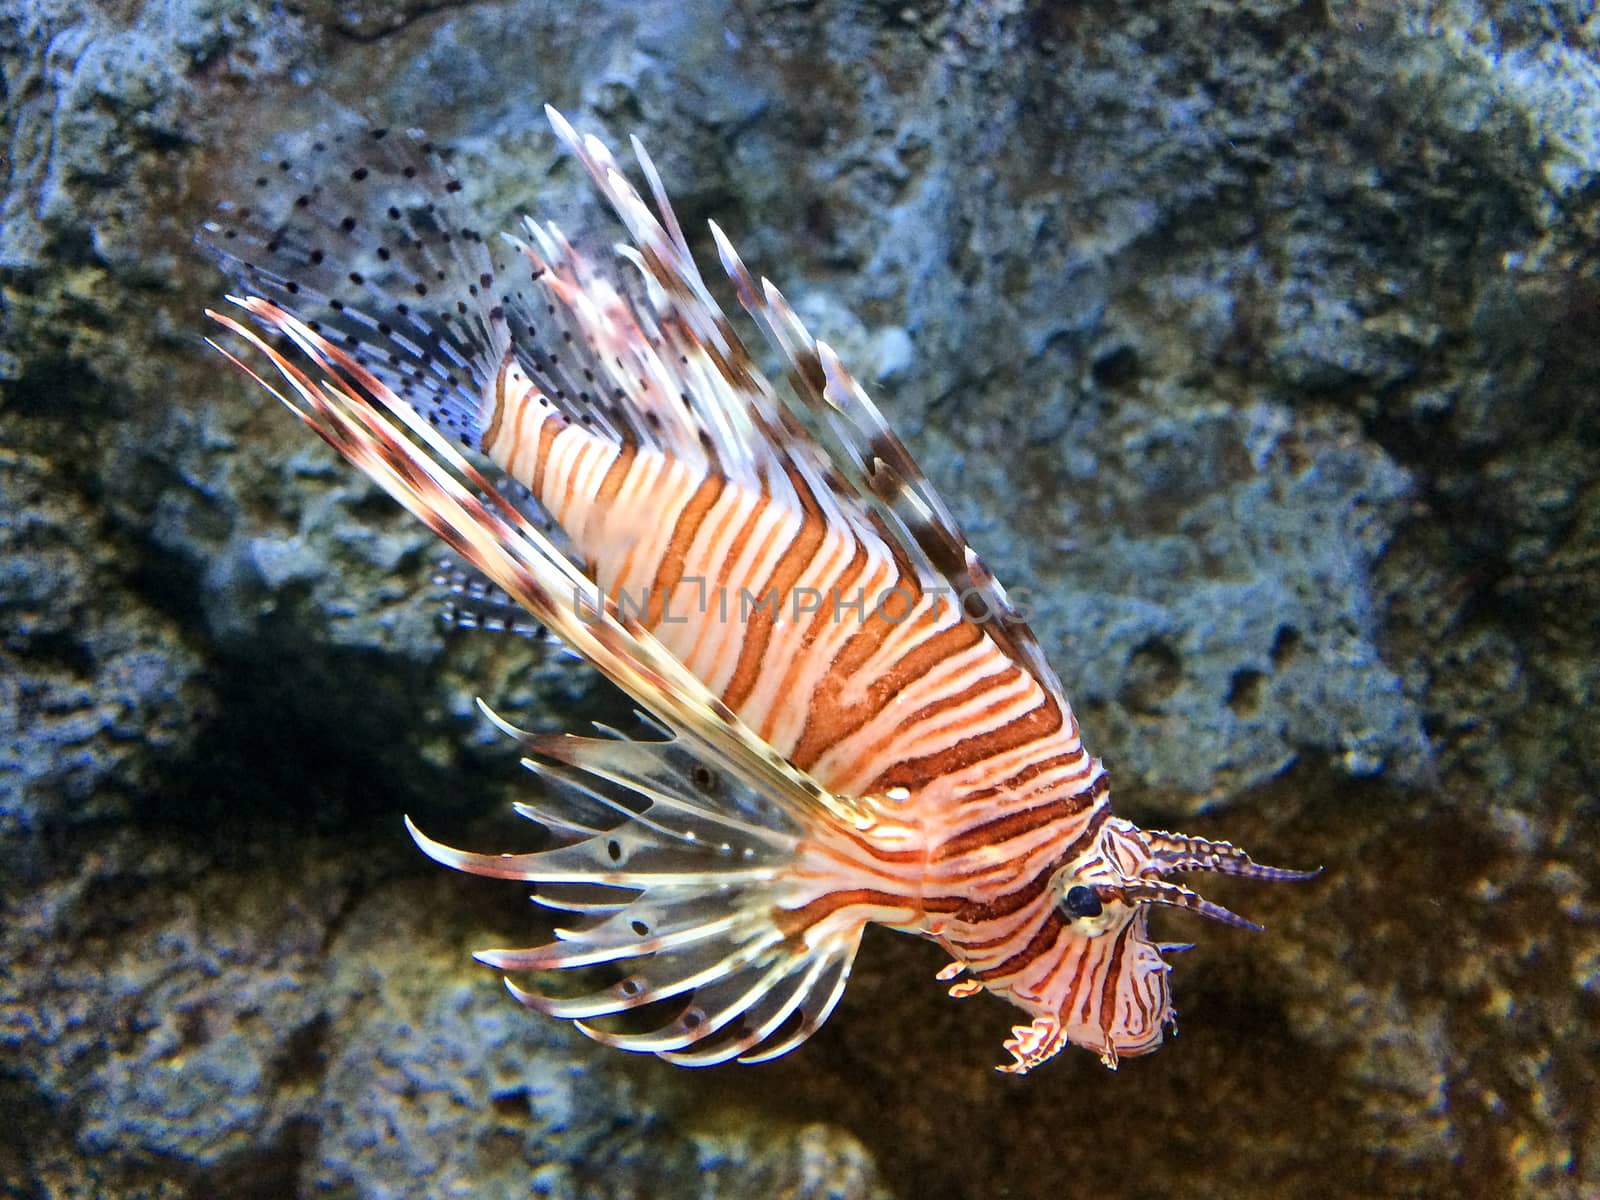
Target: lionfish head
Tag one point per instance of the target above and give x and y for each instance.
(1106, 989)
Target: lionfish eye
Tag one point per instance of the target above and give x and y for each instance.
(1081, 901)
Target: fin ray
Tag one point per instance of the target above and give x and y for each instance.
(703, 892)
(846, 451)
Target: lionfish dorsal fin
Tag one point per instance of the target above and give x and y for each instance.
(868, 460)
(834, 436)
(470, 601)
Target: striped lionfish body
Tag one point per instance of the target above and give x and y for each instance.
(856, 724)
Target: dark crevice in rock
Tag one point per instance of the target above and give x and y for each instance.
(58, 649)
(1244, 692)
(36, 1130)
(303, 1056)
(1155, 670)
(58, 389)
(170, 582)
(306, 736)
(269, 1171)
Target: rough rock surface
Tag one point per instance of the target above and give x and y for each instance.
(1254, 340)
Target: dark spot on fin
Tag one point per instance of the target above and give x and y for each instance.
(471, 602)
(344, 223)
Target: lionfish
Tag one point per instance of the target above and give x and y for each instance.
(852, 722)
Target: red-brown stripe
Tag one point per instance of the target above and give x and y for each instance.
(670, 572)
(742, 538)
(974, 913)
(973, 690)
(579, 460)
(1108, 989)
(616, 475)
(886, 745)
(1014, 785)
(1018, 824)
(829, 612)
(541, 455)
(830, 722)
(758, 631)
(492, 434)
(1007, 934)
(1086, 962)
(793, 922)
(1039, 722)
(1043, 939)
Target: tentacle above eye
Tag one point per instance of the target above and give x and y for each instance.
(1172, 852)
(1154, 891)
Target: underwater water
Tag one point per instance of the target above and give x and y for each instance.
(1254, 342)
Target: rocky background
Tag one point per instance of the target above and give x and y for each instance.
(1255, 340)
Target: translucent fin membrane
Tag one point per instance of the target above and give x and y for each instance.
(361, 233)
(693, 863)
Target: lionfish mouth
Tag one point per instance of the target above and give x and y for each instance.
(1126, 1009)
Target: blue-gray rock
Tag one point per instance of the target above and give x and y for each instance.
(1253, 342)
